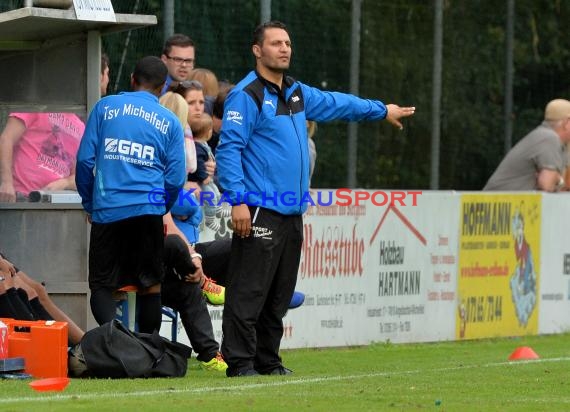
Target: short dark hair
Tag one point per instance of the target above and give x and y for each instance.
(259, 32)
(150, 71)
(104, 62)
(178, 40)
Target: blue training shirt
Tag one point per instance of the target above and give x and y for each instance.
(131, 159)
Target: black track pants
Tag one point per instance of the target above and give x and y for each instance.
(263, 274)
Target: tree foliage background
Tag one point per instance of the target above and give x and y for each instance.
(395, 66)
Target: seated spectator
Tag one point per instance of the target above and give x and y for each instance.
(181, 291)
(37, 152)
(22, 298)
(538, 160)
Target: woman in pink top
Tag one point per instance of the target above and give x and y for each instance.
(37, 152)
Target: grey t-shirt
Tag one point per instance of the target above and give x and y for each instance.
(540, 149)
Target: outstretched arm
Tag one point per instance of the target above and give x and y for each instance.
(324, 106)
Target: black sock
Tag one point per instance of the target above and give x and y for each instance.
(26, 301)
(103, 306)
(6, 308)
(39, 311)
(21, 310)
(149, 312)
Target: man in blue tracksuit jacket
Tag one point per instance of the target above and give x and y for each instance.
(130, 168)
(263, 166)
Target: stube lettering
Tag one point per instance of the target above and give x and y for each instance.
(332, 254)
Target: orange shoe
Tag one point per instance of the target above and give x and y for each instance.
(214, 293)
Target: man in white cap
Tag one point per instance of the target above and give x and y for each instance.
(538, 160)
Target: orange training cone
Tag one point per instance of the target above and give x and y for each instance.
(523, 353)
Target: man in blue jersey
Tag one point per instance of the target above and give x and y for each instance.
(132, 154)
(263, 153)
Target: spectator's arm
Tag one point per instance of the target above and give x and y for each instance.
(65, 183)
(13, 132)
(210, 166)
(550, 162)
(172, 229)
(548, 180)
(7, 267)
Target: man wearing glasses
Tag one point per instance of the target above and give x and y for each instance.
(178, 55)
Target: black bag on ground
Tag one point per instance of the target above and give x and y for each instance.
(113, 351)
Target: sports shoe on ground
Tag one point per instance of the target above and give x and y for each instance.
(239, 373)
(214, 294)
(280, 370)
(216, 364)
(297, 300)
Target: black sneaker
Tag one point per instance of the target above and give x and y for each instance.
(280, 370)
(236, 373)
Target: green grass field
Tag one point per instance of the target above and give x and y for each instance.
(450, 376)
